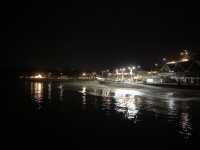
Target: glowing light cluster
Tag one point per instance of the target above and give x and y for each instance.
(126, 92)
(149, 80)
(39, 76)
(184, 60)
(171, 62)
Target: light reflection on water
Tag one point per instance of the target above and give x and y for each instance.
(130, 103)
(185, 123)
(37, 91)
(49, 90)
(61, 90)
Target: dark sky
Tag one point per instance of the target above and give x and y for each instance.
(95, 35)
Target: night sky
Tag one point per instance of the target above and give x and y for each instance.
(95, 35)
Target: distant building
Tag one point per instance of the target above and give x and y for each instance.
(183, 72)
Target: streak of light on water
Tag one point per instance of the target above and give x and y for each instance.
(133, 104)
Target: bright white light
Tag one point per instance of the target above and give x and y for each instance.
(39, 76)
(182, 53)
(126, 92)
(184, 60)
(83, 90)
(37, 91)
(136, 77)
(125, 98)
(117, 72)
(98, 78)
(171, 62)
(132, 109)
(83, 74)
(149, 80)
(132, 68)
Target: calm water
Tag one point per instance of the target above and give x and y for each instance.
(85, 108)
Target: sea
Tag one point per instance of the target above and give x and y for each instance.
(89, 114)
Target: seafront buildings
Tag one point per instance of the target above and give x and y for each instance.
(184, 70)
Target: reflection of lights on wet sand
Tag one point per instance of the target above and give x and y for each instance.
(126, 93)
(49, 91)
(185, 125)
(171, 104)
(38, 87)
(83, 90)
(60, 87)
(132, 109)
(127, 106)
(37, 91)
(38, 76)
(125, 99)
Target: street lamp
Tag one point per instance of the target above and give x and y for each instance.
(131, 71)
(122, 71)
(117, 72)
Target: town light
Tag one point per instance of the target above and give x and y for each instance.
(132, 68)
(83, 90)
(184, 60)
(149, 80)
(39, 76)
(171, 62)
(181, 53)
(117, 72)
(184, 54)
